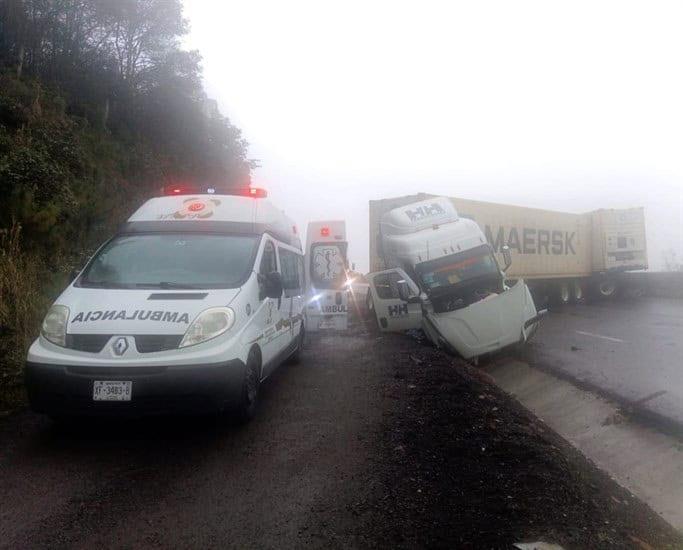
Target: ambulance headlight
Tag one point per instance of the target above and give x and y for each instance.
(209, 324)
(54, 325)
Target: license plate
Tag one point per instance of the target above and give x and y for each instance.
(327, 323)
(109, 390)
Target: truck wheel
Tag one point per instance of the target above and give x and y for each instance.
(607, 288)
(246, 408)
(371, 321)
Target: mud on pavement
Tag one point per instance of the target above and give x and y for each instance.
(368, 442)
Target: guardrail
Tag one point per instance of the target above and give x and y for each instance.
(661, 284)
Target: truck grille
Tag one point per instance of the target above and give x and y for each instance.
(145, 343)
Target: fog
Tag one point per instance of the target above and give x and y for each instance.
(566, 106)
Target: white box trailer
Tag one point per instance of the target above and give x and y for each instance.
(560, 255)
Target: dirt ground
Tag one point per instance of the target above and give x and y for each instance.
(464, 465)
(367, 443)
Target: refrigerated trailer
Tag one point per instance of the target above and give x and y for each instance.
(561, 256)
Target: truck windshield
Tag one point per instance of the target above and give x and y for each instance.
(168, 260)
(457, 268)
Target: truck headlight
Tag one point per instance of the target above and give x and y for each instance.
(53, 328)
(209, 324)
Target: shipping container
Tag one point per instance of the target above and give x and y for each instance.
(561, 255)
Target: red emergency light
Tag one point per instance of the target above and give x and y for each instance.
(180, 190)
(256, 192)
(325, 231)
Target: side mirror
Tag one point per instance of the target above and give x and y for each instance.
(273, 285)
(507, 257)
(73, 274)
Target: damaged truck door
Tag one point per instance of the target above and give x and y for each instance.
(395, 300)
(456, 291)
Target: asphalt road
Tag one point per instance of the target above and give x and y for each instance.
(630, 349)
(285, 480)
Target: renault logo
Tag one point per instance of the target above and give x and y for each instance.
(120, 346)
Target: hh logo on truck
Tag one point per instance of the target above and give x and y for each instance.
(423, 212)
(398, 310)
(529, 240)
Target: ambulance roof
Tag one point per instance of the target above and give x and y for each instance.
(215, 213)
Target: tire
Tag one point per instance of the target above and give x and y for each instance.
(295, 358)
(372, 323)
(246, 408)
(607, 289)
(563, 293)
(578, 294)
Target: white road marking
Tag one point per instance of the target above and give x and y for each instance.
(599, 336)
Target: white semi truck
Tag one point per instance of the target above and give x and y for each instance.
(442, 276)
(563, 257)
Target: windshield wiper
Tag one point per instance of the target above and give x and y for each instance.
(166, 285)
(100, 284)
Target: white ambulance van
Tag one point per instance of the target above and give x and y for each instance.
(326, 276)
(188, 308)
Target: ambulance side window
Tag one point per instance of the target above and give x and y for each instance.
(268, 265)
(289, 263)
(268, 261)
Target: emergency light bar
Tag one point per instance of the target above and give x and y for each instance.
(254, 192)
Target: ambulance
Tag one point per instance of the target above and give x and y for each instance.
(188, 308)
(326, 276)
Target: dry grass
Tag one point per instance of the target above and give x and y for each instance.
(23, 302)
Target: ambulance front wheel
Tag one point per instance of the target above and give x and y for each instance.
(246, 408)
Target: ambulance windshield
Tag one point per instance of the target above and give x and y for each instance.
(172, 260)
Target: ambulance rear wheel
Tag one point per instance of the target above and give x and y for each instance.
(296, 356)
(246, 408)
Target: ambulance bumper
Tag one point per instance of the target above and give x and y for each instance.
(60, 390)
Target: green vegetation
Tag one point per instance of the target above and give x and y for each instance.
(99, 108)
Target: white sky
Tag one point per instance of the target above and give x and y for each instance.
(563, 105)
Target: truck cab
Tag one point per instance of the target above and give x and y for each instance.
(444, 277)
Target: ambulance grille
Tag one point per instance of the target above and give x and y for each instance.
(145, 343)
(149, 343)
(92, 343)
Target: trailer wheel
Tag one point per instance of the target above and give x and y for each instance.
(577, 291)
(564, 294)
